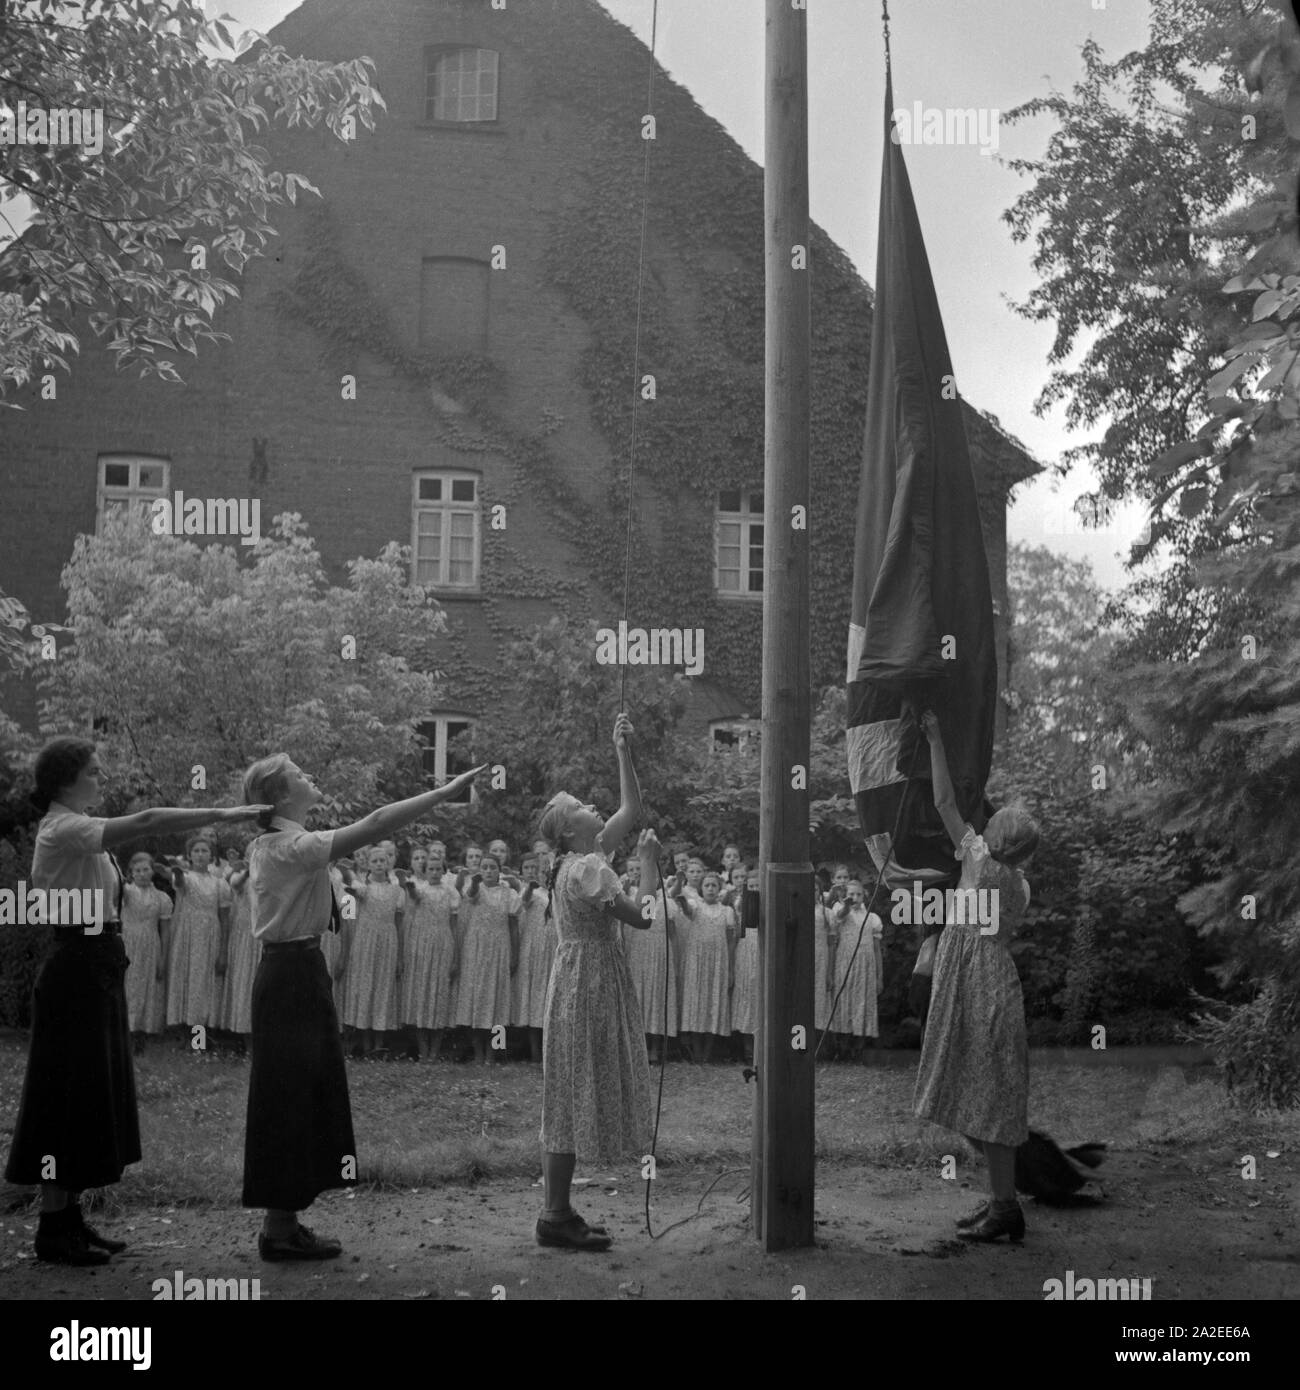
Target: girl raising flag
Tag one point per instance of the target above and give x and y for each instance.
(595, 1075)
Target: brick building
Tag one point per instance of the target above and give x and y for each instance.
(472, 271)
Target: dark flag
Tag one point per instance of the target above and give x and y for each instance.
(921, 632)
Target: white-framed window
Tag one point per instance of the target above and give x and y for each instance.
(129, 480)
(738, 544)
(442, 762)
(741, 734)
(445, 529)
(460, 84)
(454, 304)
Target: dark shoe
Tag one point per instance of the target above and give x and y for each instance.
(303, 1244)
(996, 1224)
(572, 1233)
(59, 1241)
(92, 1237)
(964, 1223)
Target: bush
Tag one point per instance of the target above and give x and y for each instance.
(1256, 1044)
(21, 948)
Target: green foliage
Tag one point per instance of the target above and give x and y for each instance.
(1257, 1045)
(115, 231)
(1148, 217)
(181, 656)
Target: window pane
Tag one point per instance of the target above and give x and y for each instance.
(117, 475)
(729, 581)
(728, 532)
(151, 475)
(729, 557)
(428, 522)
(462, 489)
(426, 572)
(729, 501)
(756, 502)
(756, 581)
(430, 489)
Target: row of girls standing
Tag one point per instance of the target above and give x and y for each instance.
(192, 961)
(849, 966)
(425, 952)
(694, 971)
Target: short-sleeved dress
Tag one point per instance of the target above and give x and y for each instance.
(193, 990)
(537, 942)
(596, 1076)
(428, 995)
(744, 993)
(485, 997)
(650, 964)
(241, 964)
(821, 954)
(143, 912)
(705, 1006)
(974, 1071)
(855, 1014)
(370, 997)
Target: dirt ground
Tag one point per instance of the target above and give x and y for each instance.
(1181, 1216)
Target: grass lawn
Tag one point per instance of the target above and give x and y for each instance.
(422, 1126)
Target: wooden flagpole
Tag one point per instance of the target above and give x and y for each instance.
(782, 1187)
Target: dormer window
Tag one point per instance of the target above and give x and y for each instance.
(460, 84)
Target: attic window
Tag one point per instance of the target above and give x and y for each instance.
(460, 84)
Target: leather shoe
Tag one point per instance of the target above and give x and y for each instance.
(303, 1244)
(964, 1223)
(92, 1237)
(572, 1233)
(59, 1240)
(995, 1225)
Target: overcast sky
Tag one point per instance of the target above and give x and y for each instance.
(989, 54)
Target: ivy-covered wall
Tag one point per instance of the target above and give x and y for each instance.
(546, 410)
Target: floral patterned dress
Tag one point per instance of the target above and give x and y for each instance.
(596, 1077)
(855, 1014)
(484, 998)
(650, 964)
(537, 942)
(744, 994)
(974, 1072)
(242, 958)
(428, 995)
(705, 1007)
(143, 912)
(821, 995)
(370, 983)
(193, 993)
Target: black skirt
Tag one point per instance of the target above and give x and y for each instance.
(299, 1140)
(78, 1126)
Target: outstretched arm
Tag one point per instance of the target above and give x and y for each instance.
(378, 825)
(624, 820)
(945, 802)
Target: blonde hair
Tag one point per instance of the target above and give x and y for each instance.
(1011, 835)
(551, 825)
(267, 783)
